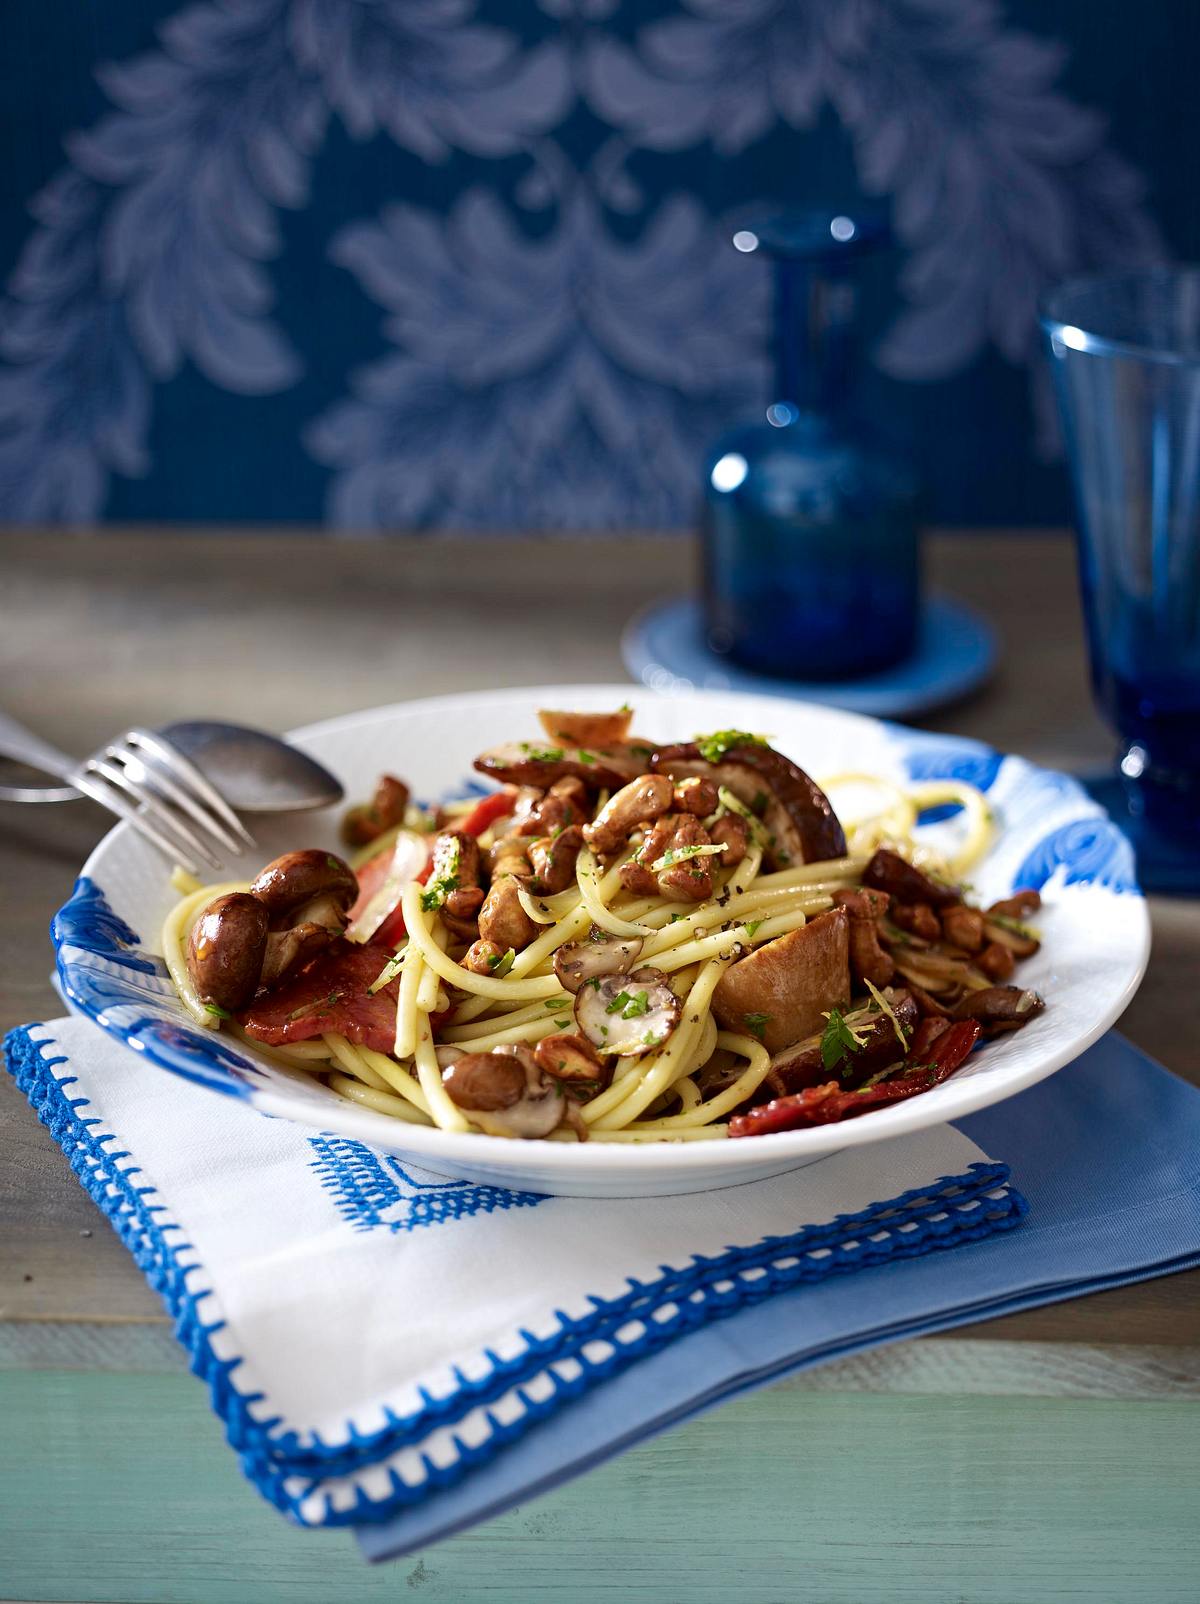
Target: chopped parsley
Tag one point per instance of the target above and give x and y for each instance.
(838, 1039)
(320, 1006)
(713, 748)
(551, 1004)
(221, 1013)
(629, 1006)
(756, 1023)
(650, 1039)
(585, 756)
(501, 963)
(334, 863)
(642, 751)
(751, 926)
(543, 754)
(562, 1025)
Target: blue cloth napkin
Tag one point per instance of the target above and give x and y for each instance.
(1107, 1153)
(373, 1334)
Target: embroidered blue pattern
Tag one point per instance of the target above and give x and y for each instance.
(288, 1468)
(374, 1190)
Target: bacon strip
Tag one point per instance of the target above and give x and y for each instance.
(827, 1104)
(330, 995)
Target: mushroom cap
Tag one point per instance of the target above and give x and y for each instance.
(999, 1008)
(627, 1014)
(796, 813)
(505, 1093)
(226, 948)
(578, 961)
(782, 989)
(289, 882)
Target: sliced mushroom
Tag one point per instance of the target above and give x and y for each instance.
(697, 795)
(733, 833)
(533, 763)
(646, 798)
(580, 961)
(455, 868)
(916, 919)
(802, 1065)
(296, 879)
(796, 814)
(888, 871)
(505, 1093)
(997, 962)
(999, 1008)
(586, 729)
(780, 992)
(627, 1014)
(292, 948)
(226, 948)
(573, 1061)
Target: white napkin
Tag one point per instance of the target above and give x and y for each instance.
(370, 1330)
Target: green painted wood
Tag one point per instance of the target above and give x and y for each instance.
(120, 1488)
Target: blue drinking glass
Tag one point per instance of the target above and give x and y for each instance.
(809, 537)
(1125, 355)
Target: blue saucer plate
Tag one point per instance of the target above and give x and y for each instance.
(664, 647)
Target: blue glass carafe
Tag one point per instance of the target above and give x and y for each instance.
(810, 554)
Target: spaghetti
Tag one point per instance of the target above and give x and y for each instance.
(683, 899)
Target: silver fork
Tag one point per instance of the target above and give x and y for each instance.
(141, 777)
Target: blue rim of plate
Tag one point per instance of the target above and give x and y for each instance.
(663, 647)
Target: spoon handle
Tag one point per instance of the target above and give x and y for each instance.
(26, 747)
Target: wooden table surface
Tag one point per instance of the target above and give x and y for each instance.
(97, 632)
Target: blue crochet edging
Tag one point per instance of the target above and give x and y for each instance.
(637, 1323)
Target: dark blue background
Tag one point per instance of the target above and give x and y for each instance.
(223, 456)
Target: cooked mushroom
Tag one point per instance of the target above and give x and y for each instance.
(455, 868)
(552, 859)
(732, 832)
(916, 919)
(298, 880)
(385, 810)
(502, 919)
(226, 949)
(963, 928)
(563, 805)
(868, 961)
(643, 799)
(780, 992)
(627, 1014)
(803, 1065)
(801, 825)
(996, 961)
(531, 763)
(696, 795)
(1019, 906)
(586, 729)
(888, 871)
(999, 1008)
(505, 1093)
(482, 957)
(579, 961)
(684, 872)
(573, 1061)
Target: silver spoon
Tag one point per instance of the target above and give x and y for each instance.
(254, 772)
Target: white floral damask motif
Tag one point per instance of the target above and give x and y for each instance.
(150, 247)
(998, 183)
(565, 380)
(570, 374)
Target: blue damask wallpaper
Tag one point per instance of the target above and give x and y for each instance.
(447, 263)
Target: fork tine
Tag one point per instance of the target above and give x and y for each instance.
(109, 797)
(184, 768)
(167, 822)
(159, 779)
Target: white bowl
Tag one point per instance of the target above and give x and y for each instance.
(1052, 836)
